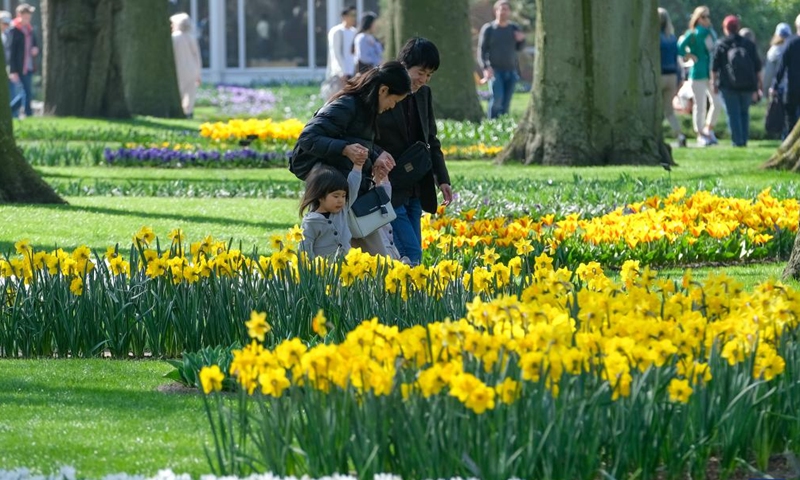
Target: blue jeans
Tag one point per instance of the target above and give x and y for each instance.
(27, 85)
(17, 96)
(737, 103)
(502, 86)
(407, 231)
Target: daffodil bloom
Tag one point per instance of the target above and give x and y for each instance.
(319, 324)
(211, 379)
(257, 326)
(679, 390)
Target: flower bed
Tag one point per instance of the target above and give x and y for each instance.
(166, 298)
(186, 157)
(675, 230)
(637, 376)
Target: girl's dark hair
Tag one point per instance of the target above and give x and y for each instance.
(365, 86)
(367, 19)
(322, 180)
(419, 52)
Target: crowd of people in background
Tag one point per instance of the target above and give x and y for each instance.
(704, 72)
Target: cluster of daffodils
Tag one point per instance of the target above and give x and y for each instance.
(555, 329)
(253, 129)
(701, 216)
(480, 150)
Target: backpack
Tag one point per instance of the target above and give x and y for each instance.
(740, 67)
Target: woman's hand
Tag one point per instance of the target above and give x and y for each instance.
(447, 193)
(357, 153)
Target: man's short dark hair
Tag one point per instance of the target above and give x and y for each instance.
(419, 52)
(351, 10)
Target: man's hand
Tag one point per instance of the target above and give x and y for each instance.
(34, 51)
(519, 36)
(383, 164)
(447, 193)
(488, 74)
(13, 77)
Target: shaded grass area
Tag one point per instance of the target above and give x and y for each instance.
(100, 222)
(99, 416)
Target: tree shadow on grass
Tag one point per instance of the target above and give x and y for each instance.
(170, 216)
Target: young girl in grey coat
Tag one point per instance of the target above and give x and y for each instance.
(326, 201)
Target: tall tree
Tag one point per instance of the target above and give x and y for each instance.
(596, 87)
(19, 182)
(445, 23)
(108, 58)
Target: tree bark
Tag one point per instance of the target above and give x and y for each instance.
(108, 58)
(787, 157)
(792, 269)
(596, 87)
(19, 182)
(445, 23)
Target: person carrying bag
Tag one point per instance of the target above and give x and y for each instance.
(341, 133)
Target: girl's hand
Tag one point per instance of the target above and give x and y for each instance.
(356, 153)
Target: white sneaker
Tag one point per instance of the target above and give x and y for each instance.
(702, 140)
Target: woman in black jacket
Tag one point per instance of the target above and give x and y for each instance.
(345, 129)
(401, 128)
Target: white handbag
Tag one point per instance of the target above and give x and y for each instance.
(369, 212)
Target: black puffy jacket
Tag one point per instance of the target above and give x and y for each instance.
(339, 123)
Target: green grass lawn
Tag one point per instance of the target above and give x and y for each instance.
(99, 416)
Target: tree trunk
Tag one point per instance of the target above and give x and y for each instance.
(108, 58)
(148, 63)
(787, 157)
(792, 269)
(19, 182)
(445, 23)
(596, 87)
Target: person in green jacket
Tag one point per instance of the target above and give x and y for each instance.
(696, 46)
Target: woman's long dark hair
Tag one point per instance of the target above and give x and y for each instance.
(365, 86)
(322, 180)
(366, 21)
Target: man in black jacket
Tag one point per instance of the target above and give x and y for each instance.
(410, 122)
(736, 71)
(23, 49)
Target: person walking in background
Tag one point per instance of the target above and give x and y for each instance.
(789, 68)
(777, 45)
(23, 50)
(16, 94)
(736, 72)
(775, 120)
(188, 64)
(367, 48)
(262, 32)
(670, 73)
(498, 44)
(696, 45)
(341, 61)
